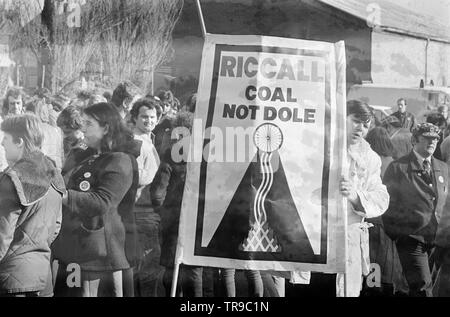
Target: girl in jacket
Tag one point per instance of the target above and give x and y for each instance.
(366, 195)
(31, 192)
(97, 229)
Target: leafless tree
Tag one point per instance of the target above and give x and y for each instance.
(139, 38)
(129, 37)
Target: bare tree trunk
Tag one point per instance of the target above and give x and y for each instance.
(132, 38)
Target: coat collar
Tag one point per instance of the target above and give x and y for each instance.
(416, 166)
(33, 176)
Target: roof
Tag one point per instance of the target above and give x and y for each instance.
(394, 18)
(388, 86)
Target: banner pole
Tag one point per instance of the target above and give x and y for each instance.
(178, 259)
(43, 77)
(342, 113)
(200, 15)
(175, 279)
(345, 202)
(346, 249)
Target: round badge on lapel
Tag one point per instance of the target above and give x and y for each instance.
(87, 175)
(85, 186)
(441, 179)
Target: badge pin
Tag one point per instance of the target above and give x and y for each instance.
(87, 175)
(441, 179)
(85, 186)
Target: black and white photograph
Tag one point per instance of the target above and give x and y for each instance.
(205, 150)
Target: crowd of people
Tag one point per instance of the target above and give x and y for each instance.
(89, 182)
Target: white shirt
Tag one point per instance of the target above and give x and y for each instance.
(421, 159)
(148, 161)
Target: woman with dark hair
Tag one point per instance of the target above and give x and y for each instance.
(98, 230)
(381, 143)
(31, 191)
(366, 195)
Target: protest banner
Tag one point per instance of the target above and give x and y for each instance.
(265, 157)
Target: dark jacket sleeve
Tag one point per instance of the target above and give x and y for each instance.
(158, 189)
(10, 210)
(391, 218)
(443, 230)
(115, 180)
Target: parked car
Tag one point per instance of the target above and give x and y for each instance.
(420, 101)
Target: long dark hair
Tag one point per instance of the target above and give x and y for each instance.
(118, 136)
(380, 142)
(361, 110)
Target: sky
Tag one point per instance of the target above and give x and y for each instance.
(440, 9)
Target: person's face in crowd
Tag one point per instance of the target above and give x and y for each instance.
(13, 150)
(426, 146)
(167, 107)
(356, 129)
(444, 112)
(15, 105)
(71, 136)
(126, 104)
(146, 120)
(93, 132)
(401, 106)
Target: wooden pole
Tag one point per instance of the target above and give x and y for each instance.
(153, 81)
(200, 15)
(176, 272)
(18, 75)
(43, 77)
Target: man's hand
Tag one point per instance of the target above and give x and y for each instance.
(348, 190)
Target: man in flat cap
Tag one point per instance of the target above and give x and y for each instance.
(417, 184)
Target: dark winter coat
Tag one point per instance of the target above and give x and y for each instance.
(30, 218)
(407, 119)
(162, 133)
(101, 196)
(416, 206)
(167, 190)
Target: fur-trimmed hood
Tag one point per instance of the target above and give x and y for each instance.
(32, 177)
